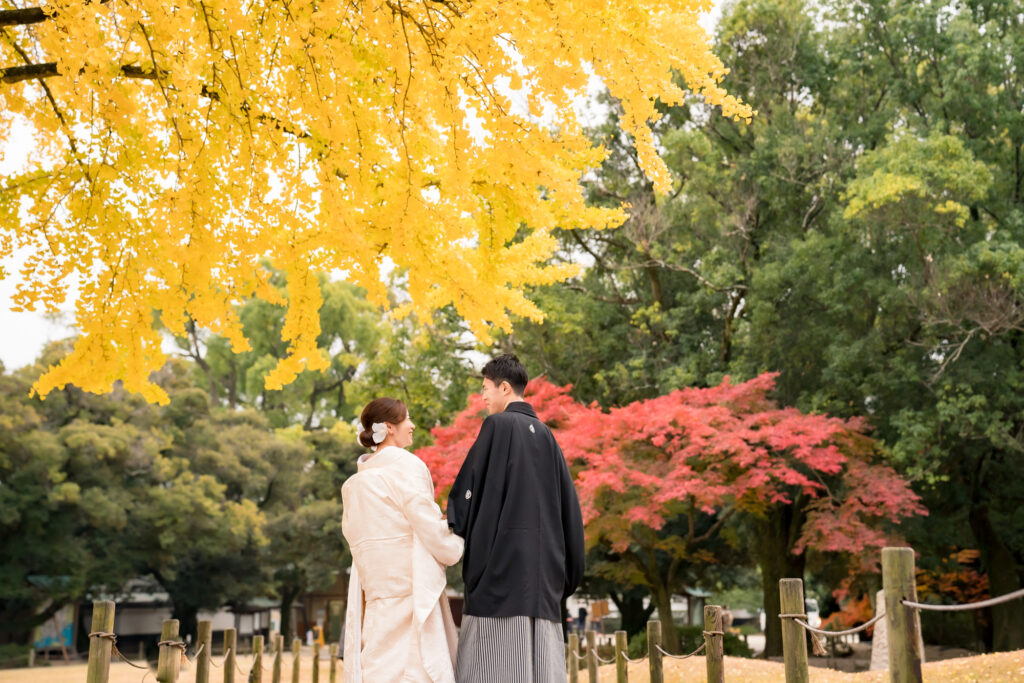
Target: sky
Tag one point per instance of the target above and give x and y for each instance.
(23, 334)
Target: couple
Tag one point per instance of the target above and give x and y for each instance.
(512, 508)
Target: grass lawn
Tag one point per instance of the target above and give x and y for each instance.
(1004, 666)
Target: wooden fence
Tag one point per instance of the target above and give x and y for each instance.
(902, 616)
(173, 653)
(103, 647)
(713, 648)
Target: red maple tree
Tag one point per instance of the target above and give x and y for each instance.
(659, 478)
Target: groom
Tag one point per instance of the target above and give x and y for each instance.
(514, 503)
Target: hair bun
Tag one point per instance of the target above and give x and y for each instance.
(380, 410)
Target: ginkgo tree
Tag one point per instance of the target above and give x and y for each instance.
(176, 146)
(659, 479)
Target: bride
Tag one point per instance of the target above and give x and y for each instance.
(398, 626)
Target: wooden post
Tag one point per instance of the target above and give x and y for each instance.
(333, 652)
(903, 625)
(275, 677)
(653, 653)
(621, 665)
(230, 650)
(256, 674)
(204, 641)
(714, 644)
(574, 662)
(296, 657)
(99, 648)
(316, 663)
(169, 662)
(592, 656)
(794, 640)
(142, 650)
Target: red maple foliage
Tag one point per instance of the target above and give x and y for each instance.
(553, 404)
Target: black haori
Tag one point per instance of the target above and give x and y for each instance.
(515, 504)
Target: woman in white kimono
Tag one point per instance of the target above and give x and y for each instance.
(398, 625)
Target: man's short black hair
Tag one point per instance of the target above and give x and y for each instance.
(507, 368)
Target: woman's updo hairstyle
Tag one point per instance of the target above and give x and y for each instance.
(389, 410)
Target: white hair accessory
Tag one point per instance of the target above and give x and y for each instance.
(380, 432)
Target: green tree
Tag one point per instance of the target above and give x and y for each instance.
(860, 237)
(425, 363)
(63, 511)
(306, 549)
(350, 328)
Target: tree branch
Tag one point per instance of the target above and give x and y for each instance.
(22, 17)
(723, 517)
(15, 74)
(53, 104)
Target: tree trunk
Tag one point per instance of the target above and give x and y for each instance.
(188, 618)
(634, 614)
(288, 596)
(233, 385)
(778, 532)
(669, 634)
(1008, 618)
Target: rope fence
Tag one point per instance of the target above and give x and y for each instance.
(212, 663)
(672, 656)
(902, 629)
(112, 637)
(833, 634)
(900, 610)
(991, 602)
(173, 653)
(589, 660)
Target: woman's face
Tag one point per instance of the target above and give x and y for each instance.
(401, 433)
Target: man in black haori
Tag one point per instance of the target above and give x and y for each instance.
(515, 504)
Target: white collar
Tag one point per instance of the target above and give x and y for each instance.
(381, 458)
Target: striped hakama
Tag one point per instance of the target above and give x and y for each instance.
(510, 650)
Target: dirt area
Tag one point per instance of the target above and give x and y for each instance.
(1005, 666)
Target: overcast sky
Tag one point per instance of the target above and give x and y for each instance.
(22, 335)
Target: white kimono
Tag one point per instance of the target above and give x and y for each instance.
(400, 546)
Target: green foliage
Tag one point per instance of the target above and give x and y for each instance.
(421, 362)
(861, 237)
(13, 656)
(424, 364)
(227, 493)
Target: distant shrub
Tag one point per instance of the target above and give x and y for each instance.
(690, 638)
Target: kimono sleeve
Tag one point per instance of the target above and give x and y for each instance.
(427, 522)
(572, 529)
(461, 503)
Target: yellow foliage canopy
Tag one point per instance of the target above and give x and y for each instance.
(178, 144)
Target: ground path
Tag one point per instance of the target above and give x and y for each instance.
(1004, 666)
